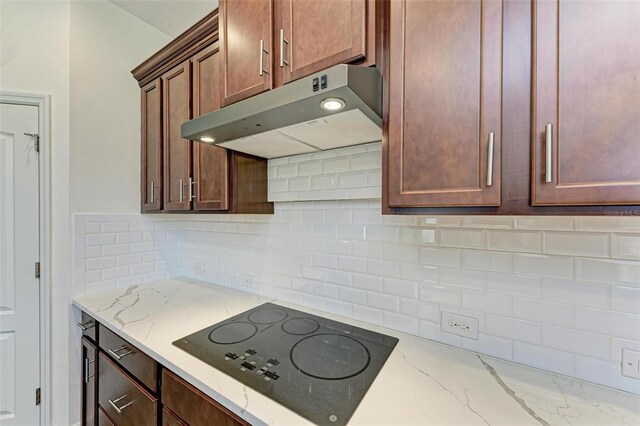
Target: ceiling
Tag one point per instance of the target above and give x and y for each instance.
(172, 17)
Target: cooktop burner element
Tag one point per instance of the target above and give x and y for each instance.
(330, 356)
(319, 368)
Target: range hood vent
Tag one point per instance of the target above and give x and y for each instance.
(292, 119)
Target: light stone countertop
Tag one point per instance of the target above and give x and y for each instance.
(422, 382)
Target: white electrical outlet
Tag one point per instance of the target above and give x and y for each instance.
(631, 363)
(249, 280)
(199, 268)
(459, 324)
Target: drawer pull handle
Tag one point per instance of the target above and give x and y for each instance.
(87, 325)
(117, 355)
(119, 409)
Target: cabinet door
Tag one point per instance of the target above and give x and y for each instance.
(444, 109)
(176, 99)
(151, 155)
(586, 109)
(210, 163)
(315, 35)
(245, 40)
(89, 383)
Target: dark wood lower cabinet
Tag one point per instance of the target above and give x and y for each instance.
(192, 406)
(89, 382)
(129, 390)
(122, 398)
(103, 419)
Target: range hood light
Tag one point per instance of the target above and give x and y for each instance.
(207, 139)
(332, 104)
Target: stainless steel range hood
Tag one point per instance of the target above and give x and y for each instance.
(291, 119)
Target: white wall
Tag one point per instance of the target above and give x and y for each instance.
(106, 44)
(34, 57)
(80, 53)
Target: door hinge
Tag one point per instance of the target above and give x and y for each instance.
(37, 269)
(36, 141)
(38, 396)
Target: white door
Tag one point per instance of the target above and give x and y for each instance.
(19, 248)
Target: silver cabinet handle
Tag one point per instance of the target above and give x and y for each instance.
(153, 192)
(548, 139)
(192, 194)
(181, 190)
(119, 409)
(262, 52)
(490, 160)
(87, 325)
(283, 40)
(117, 355)
(87, 376)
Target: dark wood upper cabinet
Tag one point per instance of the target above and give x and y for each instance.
(151, 147)
(210, 163)
(176, 105)
(443, 124)
(586, 103)
(315, 35)
(245, 30)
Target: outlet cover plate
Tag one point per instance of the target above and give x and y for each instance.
(459, 324)
(631, 363)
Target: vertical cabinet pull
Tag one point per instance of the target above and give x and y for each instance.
(181, 190)
(548, 140)
(87, 376)
(490, 160)
(192, 184)
(153, 192)
(262, 52)
(283, 40)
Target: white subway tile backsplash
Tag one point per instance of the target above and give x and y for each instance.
(465, 238)
(625, 299)
(520, 241)
(576, 292)
(625, 246)
(572, 243)
(544, 312)
(543, 265)
(605, 373)
(603, 270)
(610, 323)
(514, 274)
(544, 358)
(514, 329)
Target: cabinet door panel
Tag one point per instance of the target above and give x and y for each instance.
(587, 86)
(177, 151)
(444, 102)
(151, 153)
(210, 163)
(89, 383)
(320, 34)
(243, 25)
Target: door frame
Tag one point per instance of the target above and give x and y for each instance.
(43, 102)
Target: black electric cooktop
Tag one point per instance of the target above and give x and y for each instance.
(319, 368)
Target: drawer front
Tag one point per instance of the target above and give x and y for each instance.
(140, 365)
(170, 419)
(192, 406)
(103, 419)
(88, 326)
(125, 401)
